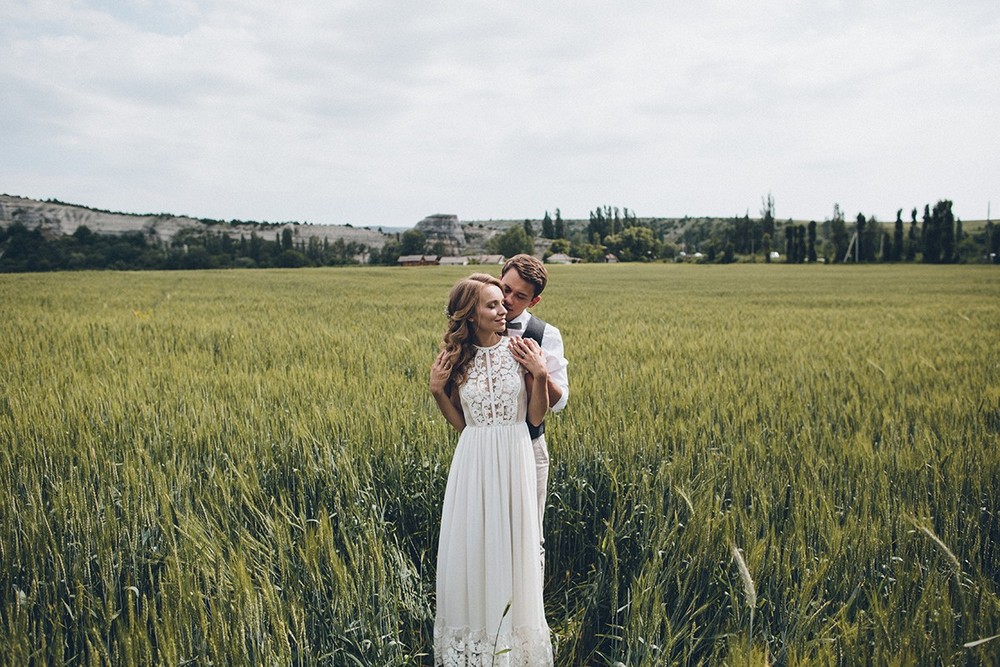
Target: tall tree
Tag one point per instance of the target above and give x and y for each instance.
(946, 230)
(992, 243)
(389, 254)
(560, 228)
(256, 247)
(597, 230)
(859, 234)
(743, 241)
(547, 229)
(790, 250)
(929, 236)
(897, 243)
(871, 249)
(413, 242)
(511, 242)
(913, 240)
(634, 244)
(800, 243)
(812, 241)
(767, 215)
(838, 234)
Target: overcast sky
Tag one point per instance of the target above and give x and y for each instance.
(376, 112)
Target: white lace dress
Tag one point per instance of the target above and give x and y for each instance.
(488, 553)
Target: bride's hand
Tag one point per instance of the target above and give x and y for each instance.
(440, 374)
(529, 354)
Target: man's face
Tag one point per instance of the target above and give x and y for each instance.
(518, 294)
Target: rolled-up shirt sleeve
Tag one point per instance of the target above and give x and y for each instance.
(555, 361)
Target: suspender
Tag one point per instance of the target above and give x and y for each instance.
(535, 330)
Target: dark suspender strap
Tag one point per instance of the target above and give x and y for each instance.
(535, 330)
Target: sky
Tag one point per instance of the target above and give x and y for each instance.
(379, 113)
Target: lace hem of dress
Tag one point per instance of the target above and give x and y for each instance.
(462, 647)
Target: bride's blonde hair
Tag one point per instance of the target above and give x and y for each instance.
(460, 336)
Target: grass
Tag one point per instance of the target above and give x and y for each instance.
(247, 467)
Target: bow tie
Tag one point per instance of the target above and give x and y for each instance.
(513, 325)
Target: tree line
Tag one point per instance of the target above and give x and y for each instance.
(610, 231)
(23, 249)
(937, 237)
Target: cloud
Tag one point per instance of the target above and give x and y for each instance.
(381, 112)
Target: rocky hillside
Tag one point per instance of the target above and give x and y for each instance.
(457, 237)
(57, 218)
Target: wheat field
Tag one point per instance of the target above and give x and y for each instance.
(759, 464)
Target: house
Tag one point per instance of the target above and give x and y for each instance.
(417, 260)
(490, 259)
(454, 261)
(611, 258)
(561, 258)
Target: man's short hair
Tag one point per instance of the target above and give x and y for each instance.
(529, 268)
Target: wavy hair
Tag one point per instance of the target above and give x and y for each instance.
(460, 336)
(530, 268)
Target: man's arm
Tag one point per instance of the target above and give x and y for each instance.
(555, 362)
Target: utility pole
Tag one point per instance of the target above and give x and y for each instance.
(857, 248)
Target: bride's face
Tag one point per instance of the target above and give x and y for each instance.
(490, 316)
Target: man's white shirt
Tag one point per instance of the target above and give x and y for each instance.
(555, 358)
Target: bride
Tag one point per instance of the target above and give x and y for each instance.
(489, 575)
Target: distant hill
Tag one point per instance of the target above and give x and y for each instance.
(55, 218)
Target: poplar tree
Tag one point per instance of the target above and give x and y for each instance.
(838, 234)
(767, 216)
(859, 229)
(929, 238)
(547, 231)
(871, 249)
(897, 245)
(911, 247)
(946, 230)
(560, 228)
(992, 243)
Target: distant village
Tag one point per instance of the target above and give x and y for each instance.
(466, 260)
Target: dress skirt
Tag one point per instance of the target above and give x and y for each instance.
(489, 575)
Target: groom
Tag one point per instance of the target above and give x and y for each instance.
(523, 278)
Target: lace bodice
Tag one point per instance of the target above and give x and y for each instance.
(494, 391)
